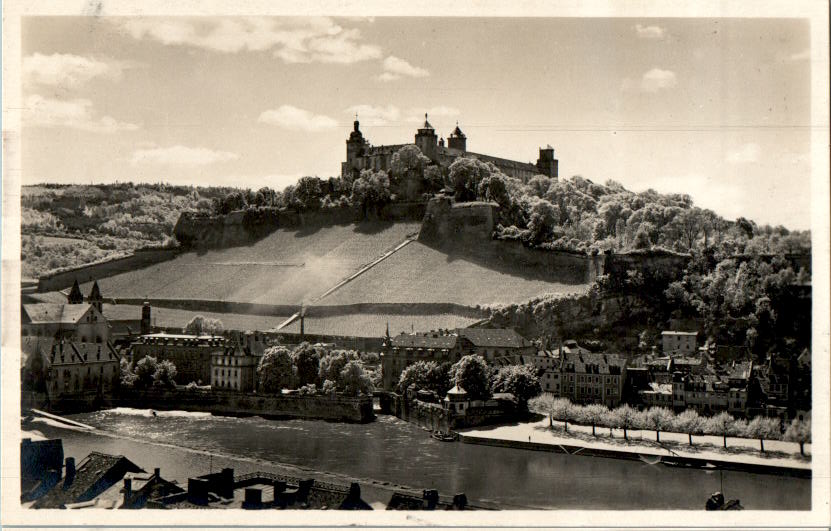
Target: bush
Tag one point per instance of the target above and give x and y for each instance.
(276, 370)
(472, 374)
(519, 380)
(799, 431)
(354, 380)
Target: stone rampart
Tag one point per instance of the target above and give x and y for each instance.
(137, 259)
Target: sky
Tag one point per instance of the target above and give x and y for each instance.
(716, 108)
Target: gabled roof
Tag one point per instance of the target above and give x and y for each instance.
(493, 337)
(93, 475)
(48, 312)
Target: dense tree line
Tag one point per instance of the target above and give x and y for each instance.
(313, 369)
(474, 375)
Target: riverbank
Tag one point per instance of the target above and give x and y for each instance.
(780, 458)
(390, 454)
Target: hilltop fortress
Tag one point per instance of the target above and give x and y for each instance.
(361, 155)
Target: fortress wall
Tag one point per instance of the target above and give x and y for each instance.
(467, 228)
(137, 259)
(416, 308)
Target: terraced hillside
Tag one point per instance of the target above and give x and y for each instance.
(421, 274)
(287, 267)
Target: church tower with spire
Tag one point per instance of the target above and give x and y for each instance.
(75, 296)
(95, 298)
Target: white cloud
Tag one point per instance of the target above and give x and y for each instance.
(181, 156)
(292, 39)
(67, 70)
(296, 119)
(657, 79)
(375, 114)
(650, 32)
(396, 68)
(75, 114)
(747, 153)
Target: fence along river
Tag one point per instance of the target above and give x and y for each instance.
(390, 451)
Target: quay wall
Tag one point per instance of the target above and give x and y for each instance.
(691, 462)
(331, 408)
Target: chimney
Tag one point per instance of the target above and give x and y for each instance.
(198, 490)
(226, 486)
(128, 490)
(69, 474)
(157, 472)
(431, 498)
(302, 326)
(253, 498)
(303, 488)
(460, 501)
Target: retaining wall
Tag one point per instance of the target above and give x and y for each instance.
(137, 259)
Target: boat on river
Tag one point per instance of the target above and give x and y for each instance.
(444, 437)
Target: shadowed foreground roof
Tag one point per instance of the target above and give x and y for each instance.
(93, 475)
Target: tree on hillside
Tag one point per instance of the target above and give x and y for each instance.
(332, 364)
(763, 428)
(371, 191)
(408, 161)
(543, 218)
(689, 422)
(200, 326)
(519, 380)
(465, 175)
(308, 193)
(354, 381)
(306, 359)
(472, 374)
(276, 370)
(659, 418)
(799, 431)
(493, 188)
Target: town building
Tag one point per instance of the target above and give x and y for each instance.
(192, 355)
(498, 346)
(360, 155)
(684, 343)
(586, 378)
(234, 369)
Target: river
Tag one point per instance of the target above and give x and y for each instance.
(390, 452)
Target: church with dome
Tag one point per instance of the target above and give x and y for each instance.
(361, 155)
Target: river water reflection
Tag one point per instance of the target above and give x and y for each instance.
(390, 450)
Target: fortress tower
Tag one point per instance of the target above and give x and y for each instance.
(354, 146)
(547, 164)
(427, 141)
(457, 140)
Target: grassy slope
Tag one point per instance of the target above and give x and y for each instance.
(286, 267)
(418, 273)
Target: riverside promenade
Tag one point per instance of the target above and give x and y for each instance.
(673, 449)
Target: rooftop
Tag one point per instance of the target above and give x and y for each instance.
(50, 312)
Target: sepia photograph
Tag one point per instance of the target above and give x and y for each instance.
(489, 262)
